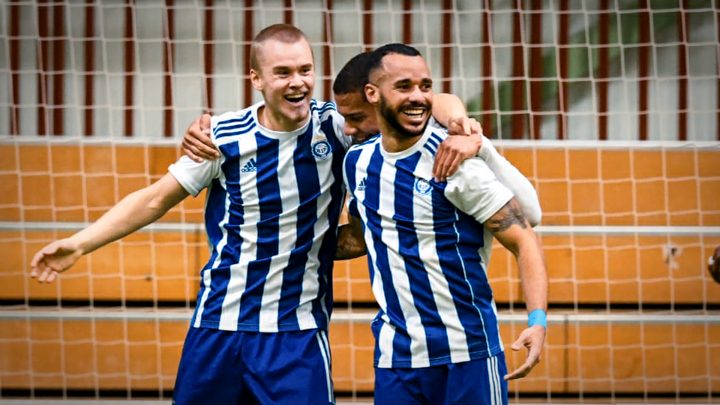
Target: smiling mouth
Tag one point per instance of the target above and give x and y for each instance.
(295, 98)
(415, 112)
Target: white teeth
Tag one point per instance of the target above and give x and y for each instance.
(414, 111)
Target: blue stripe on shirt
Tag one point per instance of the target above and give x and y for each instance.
(231, 250)
(235, 126)
(305, 174)
(422, 293)
(270, 206)
(329, 243)
(401, 342)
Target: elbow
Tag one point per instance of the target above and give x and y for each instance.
(534, 217)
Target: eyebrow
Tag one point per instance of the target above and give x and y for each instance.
(284, 67)
(409, 81)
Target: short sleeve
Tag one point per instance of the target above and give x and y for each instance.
(475, 190)
(338, 126)
(193, 176)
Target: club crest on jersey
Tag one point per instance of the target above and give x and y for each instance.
(422, 186)
(321, 149)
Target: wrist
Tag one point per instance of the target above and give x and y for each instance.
(537, 317)
(484, 151)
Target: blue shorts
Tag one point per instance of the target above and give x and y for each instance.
(223, 367)
(472, 382)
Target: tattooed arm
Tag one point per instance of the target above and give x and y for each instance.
(512, 230)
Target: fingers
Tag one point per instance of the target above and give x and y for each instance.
(198, 151)
(205, 123)
(475, 127)
(38, 266)
(447, 161)
(531, 338)
(47, 276)
(519, 372)
(455, 127)
(40, 270)
(439, 159)
(454, 165)
(197, 143)
(466, 126)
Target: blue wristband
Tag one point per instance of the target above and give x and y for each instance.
(537, 317)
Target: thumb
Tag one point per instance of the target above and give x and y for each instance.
(205, 122)
(518, 344)
(467, 127)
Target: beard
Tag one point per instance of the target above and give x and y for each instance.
(391, 117)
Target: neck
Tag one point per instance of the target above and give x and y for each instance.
(275, 122)
(394, 141)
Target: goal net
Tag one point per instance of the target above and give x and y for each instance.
(611, 109)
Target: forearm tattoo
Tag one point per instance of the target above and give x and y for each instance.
(507, 216)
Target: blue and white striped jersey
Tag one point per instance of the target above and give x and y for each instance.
(271, 214)
(427, 252)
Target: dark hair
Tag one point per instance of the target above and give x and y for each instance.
(353, 76)
(281, 32)
(375, 60)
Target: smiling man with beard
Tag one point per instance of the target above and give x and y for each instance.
(428, 243)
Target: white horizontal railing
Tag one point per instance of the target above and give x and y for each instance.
(542, 229)
(364, 316)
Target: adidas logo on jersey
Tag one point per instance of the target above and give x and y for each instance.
(249, 167)
(361, 185)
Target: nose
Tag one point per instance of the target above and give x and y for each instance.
(296, 80)
(349, 129)
(416, 94)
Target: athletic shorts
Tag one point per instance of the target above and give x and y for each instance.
(476, 382)
(224, 367)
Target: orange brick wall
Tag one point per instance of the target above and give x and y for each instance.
(581, 186)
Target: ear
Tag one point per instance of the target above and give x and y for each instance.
(372, 93)
(256, 80)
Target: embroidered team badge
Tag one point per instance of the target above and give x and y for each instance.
(321, 149)
(422, 186)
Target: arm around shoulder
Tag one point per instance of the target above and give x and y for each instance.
(513, 179)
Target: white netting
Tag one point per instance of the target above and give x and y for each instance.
(627, 225)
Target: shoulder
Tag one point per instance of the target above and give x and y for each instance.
(326, 112)
(436, 134)
(473, 170)
(369, 143)
(330, 121)
(322, 108)
(234, 122)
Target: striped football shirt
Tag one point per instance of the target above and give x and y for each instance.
(273, 203)
(427, 252)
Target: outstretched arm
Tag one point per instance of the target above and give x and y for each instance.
(136, 210)
(513, 179)
(196, 143)
(351, 243)
(512, 230)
